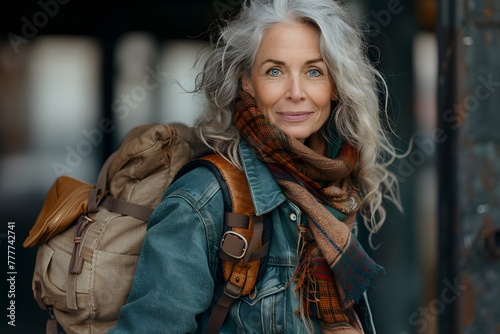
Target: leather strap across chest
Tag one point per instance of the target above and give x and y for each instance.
(241, 248)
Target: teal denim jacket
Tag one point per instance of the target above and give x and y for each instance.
(175, 286)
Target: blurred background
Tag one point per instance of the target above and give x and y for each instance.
(76, 75)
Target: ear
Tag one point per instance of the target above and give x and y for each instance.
(246, 83)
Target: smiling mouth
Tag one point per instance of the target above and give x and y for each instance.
(294, 116)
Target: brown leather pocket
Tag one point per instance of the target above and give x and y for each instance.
(66, 200)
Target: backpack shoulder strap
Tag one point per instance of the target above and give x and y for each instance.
(241, 248)
(234, 184)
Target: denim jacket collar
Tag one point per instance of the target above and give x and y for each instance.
(266, 194)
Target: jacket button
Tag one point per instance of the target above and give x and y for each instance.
(293, 217)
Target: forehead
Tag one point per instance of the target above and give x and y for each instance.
(289, 41)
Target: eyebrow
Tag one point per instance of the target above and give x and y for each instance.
(280, 62)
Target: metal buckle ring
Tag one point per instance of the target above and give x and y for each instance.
(239, 236)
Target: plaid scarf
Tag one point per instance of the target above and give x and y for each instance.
(333, 269)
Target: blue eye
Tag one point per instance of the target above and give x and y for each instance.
(314, 72)
(274, 72)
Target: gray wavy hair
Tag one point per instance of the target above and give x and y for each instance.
(232, 53)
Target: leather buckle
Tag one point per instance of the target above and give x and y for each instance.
(234, 245)
(232, 291)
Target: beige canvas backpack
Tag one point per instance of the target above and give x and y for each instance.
(90, 236)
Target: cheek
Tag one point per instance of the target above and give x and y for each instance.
(326, 93)
(323, 102)
(324, 117)
(322, 98)
(267, 96)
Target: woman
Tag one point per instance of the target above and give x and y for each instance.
(292, 101)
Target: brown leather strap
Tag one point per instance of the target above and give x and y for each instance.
(236, 183)
(76, 262)
(261, 252)
(235, 249)
(141, 212)
(230, 294)
(232, 244)
(236, 220)
(258, 254)
(256, 240)
(98, 197)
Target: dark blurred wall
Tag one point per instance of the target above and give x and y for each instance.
(469, 166)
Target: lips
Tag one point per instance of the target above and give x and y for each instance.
(294, 117)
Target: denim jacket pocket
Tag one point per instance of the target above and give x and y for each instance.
(269, 287)
(265, 309)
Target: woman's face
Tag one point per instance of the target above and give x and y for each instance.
(290, 81)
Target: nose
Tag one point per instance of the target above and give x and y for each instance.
(295, 91)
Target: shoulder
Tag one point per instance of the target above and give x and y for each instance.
(191, 209)
(197, 187)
